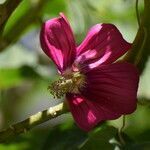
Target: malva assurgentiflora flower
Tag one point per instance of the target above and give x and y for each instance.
(95, 85)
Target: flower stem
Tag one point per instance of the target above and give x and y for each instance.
(137, 12)
(120, 131)
(32, 121)
(140, 51)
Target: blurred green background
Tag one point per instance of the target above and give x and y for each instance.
(25, 73)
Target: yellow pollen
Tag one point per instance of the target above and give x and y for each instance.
(67, 84)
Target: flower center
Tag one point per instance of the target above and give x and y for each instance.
(71, 83)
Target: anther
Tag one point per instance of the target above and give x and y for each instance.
(66, 84)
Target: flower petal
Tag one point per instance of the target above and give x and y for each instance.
(103, 44)
(114, 87)
(88, 114)
(57, 42)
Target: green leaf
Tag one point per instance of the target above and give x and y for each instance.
(53, 8)
(9, 78)
(100, 139)
(17, 14)
(138, 146)
(68, 139)
(55, 138)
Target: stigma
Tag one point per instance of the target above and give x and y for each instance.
(70, 83)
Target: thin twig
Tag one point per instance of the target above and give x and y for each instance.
(32, 121)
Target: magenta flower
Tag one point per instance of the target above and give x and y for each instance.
(96, 87)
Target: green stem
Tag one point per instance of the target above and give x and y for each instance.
(137, 12)
(140, 51)
(6, 10)
(22, 24)
(32, 121)
(121, 130)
